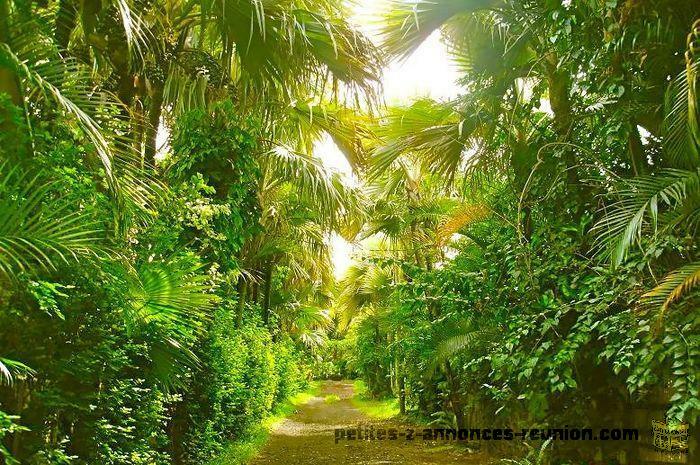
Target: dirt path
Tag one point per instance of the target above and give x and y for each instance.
(308, 438)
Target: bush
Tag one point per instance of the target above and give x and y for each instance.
(237, 388)
(292, 377)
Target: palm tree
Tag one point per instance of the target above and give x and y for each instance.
(37, 73)
(666, 202)
(302, 204)
(497, 53)
(442, 134)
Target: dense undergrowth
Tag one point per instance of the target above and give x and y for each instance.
(242, 450)
(141, 354)
(164, 258)
(530, 257)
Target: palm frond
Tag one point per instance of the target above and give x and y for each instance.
(37, 229)
(461, 217)
(667, 191)
(103, 119)
(456, 344)
(168, 305)
(40, 77)
(279, 51)
(682, 122)
(173, 293)
(433, 131)
(452, 337)
(136, 32)
(482, 44)
(363, 285)
(407, 23)
(312, 182)
(10, 369)
(674, 286)
(306, 123)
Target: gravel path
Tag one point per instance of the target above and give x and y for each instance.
(308, 438)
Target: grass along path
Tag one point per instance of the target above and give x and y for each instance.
(379, 409)
(243, 450)
(307, 436)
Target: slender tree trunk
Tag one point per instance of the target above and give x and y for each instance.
(522, 162)
(455, 401)
(154, 111)
(416, 252)
(402, 389)
(559, 83)
(23, 408)
(638, 158)
(242, 291)
(255, 293)
(9, 81)
(267, 291)
(393, 367)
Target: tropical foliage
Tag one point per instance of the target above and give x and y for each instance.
(530, 257)
(525, 253)
(164, 252)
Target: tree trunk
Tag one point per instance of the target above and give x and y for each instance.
(242, 291)
(522, 162)
(267, 291)
(9, 81)
(177, 430)
(255, 293)
(455, 401)
(638, 158)
(154, 111)
(559, 83)
(402, 390)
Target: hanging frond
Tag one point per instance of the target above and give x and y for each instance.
(408, 23)
(444, 138)
(306, 123)
(37, 228)
(460, 218)
(135, 31)
(311, 182)
(278, 52)
(11, 369)
(452, 337)
(457, 343)
(673, 287)
(682, 122)
(668, 198)
(67, 84)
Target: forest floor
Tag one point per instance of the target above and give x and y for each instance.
(308, 437)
